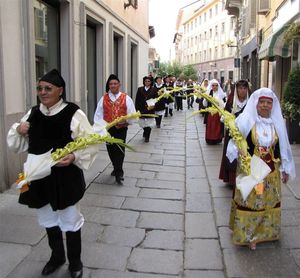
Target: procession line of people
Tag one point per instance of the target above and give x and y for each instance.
(55, 122)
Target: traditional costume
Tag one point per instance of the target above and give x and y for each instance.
(142, 95)
(160, 105)
(110, 107)
(214, 131)
(56, 196)
(257, 218)
(236, 107)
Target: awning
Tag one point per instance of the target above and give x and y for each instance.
(274, 45)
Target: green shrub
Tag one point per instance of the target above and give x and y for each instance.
(291, 97)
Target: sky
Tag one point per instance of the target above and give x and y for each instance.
(163, 15)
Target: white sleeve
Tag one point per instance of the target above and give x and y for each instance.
(204, 102)
(98, 116)
(81, 127)
(232, 151)
(130, 108)
(15, 141)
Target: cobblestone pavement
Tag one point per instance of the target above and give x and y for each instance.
(169, 219)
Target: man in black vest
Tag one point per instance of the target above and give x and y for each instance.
(48, 126)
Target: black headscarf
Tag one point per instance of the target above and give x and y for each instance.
(111, 77)
(54, 77)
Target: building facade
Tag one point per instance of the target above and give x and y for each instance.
(265, 58)
(86, 40)
(205, 38)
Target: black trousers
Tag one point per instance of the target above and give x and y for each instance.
(115, 152)
(178, 103)
(190, 101)
(158, 120)
(147, 131)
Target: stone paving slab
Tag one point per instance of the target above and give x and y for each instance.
(113, 190)
(198, 202)
(175, 152)
(200, 225)
(194, 161)
(107, 179)
(222, 217)
(160, 168)
(203, 274)
(97, 201)
(195, 172)
(170, 177)
(197, 185)
(153, 205)
(203, 254)
(29, 231)
(96, 255)
(178, 163)
(222, 191)
(158, 261)
(162, 221)
(114, 217)
(116, 274)
(9, 204)
(167, 240)
(121, 236)
(161, 194)
(243, 262)
(290, 217)
(30, 269)
(11, 256)
(290, 237)
(160, 184)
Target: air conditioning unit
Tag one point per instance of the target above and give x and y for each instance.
(263, 7)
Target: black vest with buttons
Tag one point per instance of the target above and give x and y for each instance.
(65, 186)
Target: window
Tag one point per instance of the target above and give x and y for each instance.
(223, 28)
(216, 9)
(204, 17)
(209, 55)
(216, 53)
(210, 33)
(205, 35)
(210, 13)
(200, 18)
(200, 56)
(192, 42)
(222, 51)
(46, 32)
(204, 55)
(216, 30)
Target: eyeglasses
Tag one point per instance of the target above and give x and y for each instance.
(48, 89)
(214, 85)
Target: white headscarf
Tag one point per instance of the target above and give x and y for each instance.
(249, 117)
(220, 93)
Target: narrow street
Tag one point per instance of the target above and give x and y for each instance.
(169, 219)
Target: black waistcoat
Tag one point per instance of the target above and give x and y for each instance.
(65, 186)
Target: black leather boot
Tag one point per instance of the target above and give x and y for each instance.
(74, 253)
(56, 244)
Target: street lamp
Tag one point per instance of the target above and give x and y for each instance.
(213, 64)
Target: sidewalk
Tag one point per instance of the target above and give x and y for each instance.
(169, 219)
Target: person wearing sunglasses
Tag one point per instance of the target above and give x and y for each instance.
(214, 127)
(50, 125)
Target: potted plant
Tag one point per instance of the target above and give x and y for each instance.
(291, 104)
